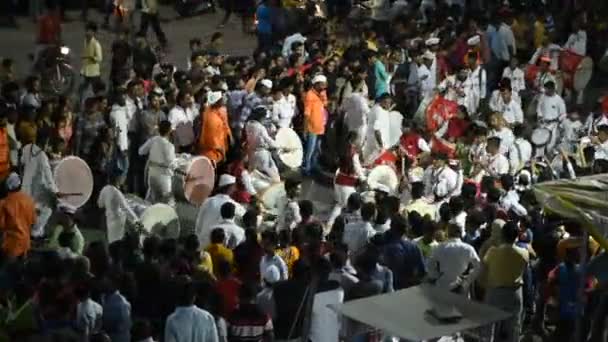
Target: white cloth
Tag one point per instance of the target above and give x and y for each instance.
(325, 322)
(209, 216)
(117, 211)
(190, 324)
(282, 112)
(356, 110)
(460, 220)
(519, 154)
(442, 182)
(506, 138)
(275, 260)
(592, 123)
(380, 10)
(357, 234)
(258, 143)
(476, 84)
(119, 116)
(601, 151)
(32, 100)
(577, 43)
(133, 107)
(541, 79)
(297, 37)
(448, 262)
(517, 77)
(510, 201)
(160, 165)
(550, 108)
(378, 122)
(497, 165)
(234, 233)
(88, 317)
(511, 111)
(571, 133)
(182, 120)
(427, 84)
(289, 214)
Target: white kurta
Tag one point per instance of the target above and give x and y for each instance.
(282, 112)
(117, 211)
(38, 182)
(120, 122)
(506, 138)
(356, 110)
(160, 165)
(577, 43)
(209, 216)
(519, 154)
(378, 122)
(550, 110)
(511, 111)
(258, 144)
(476, 83)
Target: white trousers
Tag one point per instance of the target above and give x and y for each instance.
(159, 186)
(116, 227)
(341, 194)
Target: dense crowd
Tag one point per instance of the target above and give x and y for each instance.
(459, 106)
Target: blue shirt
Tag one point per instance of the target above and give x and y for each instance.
(263, 16)
(404, 259)
(116, 319)
(381, 77)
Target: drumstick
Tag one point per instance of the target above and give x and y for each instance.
(67, 194)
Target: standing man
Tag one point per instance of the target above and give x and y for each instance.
(315, 116)
(161, 158)
(91, 59)
(378, 129)
(182, 117)
(215, 135)
(476, 83)
(119, 118)
(551, 109)
(149, 15)
(17, 216)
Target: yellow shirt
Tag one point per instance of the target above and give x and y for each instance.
(91, 59)
(504, 266)
(540, 34)
(218, 252)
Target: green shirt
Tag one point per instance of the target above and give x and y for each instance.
(77, 245)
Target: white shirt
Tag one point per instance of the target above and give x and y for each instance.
(519, 154)
(510, 201)
(448, 262)
(133, 106)
(178, 117)
(282, 112)
(209, 216)
(476, 85)
(88, 317)
(274, 260)
(460, 220)
(356, 109)
(324, 321)
(577, 43)
(289, 215)
(517, 77)
(357, 234)
(550, 108)
(381, 124)
(190, 324)
(498, 164)
(592, 123)
(511, 111)
(506, 138)
(426, 81)
(116, 208)
(571, 131)
(120, 122)
(440, 182)
(258, 137)
(552, 50)
(235, 234)
(601, 151)
(38, 180)
(161, 153)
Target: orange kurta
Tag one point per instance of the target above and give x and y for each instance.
(215, 134)
(17, 215)
(315, 111)
(5, 161)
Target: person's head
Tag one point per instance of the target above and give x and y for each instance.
(293, 187)
(439, 160)
(186, 291)
(417, 190)
(550, 88)
(319, 83)
(493, 145)
(142, 330)
(228, 211)
(218, 236)
(456, 205)
(368, 212)
(270, 241)
(510, 232)
(354, 202)
(258, 113)
(250, 219)
(385, 101)
(120, 96)
(306, 209)
(505, 91)
(602, 132)
(164, 128)
(472, 60)
(90, 30)
(398, 225)
(226, 184)
(507, 182)
(519, 131)
(454, 231)
(32, 84)
(151, 247)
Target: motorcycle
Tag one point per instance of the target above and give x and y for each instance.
(188, 8)
(57, 77)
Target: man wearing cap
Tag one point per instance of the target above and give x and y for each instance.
(259, 144)
(209, 214)
(215, 134)
(17, 216)
(425, 75)
(182, 117)
(315, 117)
(378, 130)
(160, 165)
(551, 109)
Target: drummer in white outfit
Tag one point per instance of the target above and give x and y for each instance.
(425, 75)
(161, 157)
(495, 163)
(440, 180)
(378, 129)
(550, 110)
(259, 144)
(571, 130)
(117, 209)
(502, 131)
(476, 82)
(209, 215)
(520, 152)
(38, 182)
(356, 110)
(505, 101)
(282, 111)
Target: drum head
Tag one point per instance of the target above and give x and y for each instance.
(272, 196)
(74, 178)
(582, 74)
(540, 137)
(137, 204)
(161, 219)
(384, 175)
(288, 139)
(199, 181)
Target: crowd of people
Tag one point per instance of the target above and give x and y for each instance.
(476, 90)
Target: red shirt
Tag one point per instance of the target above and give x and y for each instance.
(49, 29)
(457, 128)
(409, 142)
(228, 290)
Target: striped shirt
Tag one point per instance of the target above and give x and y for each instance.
(248, 324)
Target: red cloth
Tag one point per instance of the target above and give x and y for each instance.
(409, 142)
(241, 195)
(228, 290)
(49, 29)
(438, 146)
(457, 128)
(386, 158)
(438, 111)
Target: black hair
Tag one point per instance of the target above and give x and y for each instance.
(354, 201)
(218, 235)
(164, 127)
(510, 232)
(271, 237)
(227, 210)
(250, 218)
(368, 211)
(417, 190)
(399, 225)
(306, 208)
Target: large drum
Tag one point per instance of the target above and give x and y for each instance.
(577, 70)
(541, 137)
(74, 181)
(137, 204)
(272, 197)
(161, 219)
(194, 178)
(383, 175)
(288, 140)
(531, 73)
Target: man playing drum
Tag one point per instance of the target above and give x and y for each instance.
(378, 129)
(551, 109)
(259, 144)
(161, 156)
(440, 181)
